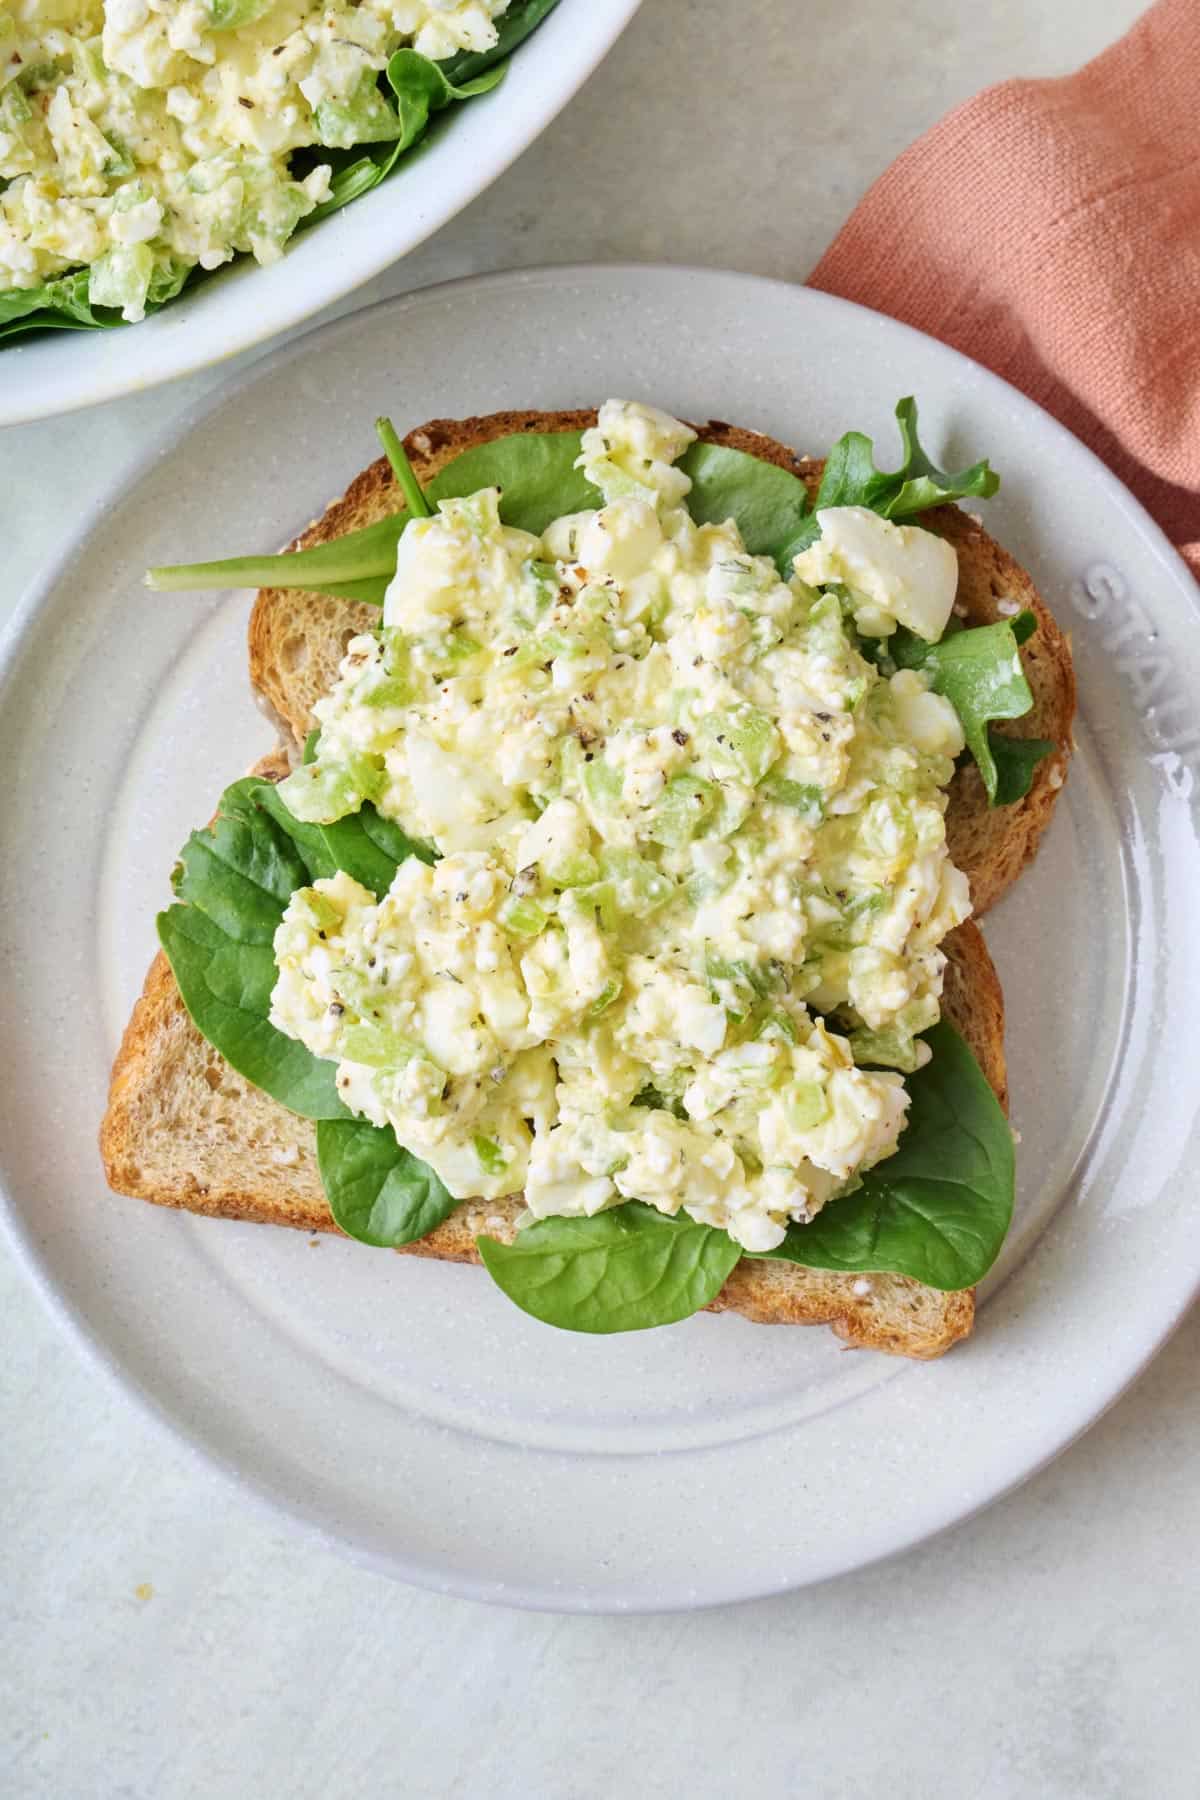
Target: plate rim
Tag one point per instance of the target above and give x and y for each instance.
(18, 638)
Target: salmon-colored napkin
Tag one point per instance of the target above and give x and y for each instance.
(1051, 229)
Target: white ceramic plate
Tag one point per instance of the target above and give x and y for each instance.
(404, 1408)
(473, 144)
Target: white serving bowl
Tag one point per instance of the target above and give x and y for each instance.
(58, 371)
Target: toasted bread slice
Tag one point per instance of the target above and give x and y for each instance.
(297, 639)
(183, 1129)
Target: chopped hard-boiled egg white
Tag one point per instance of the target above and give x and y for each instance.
(144, 137)
(897, 574)
(685, 927)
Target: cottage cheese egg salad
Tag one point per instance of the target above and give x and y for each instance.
(658, 943)
(674, 805)
(143, 139)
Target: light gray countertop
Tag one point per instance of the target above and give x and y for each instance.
(164, 1639)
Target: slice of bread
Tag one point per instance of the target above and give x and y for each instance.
(183, 1129)
(296, 639)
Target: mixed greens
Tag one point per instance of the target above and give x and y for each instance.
(937, 1209)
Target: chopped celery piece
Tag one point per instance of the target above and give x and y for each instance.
(604, 999)
(777, 1025)
(737, 985)
(391, 691)
(743, 742)
(735, 802)
(493, 1159)
(15, 109)
(227, 15)
(319, 793)
(451, 648)
(321, 910)
(538, 590)
(573, 871)
(894, 1049)
(687, 802)
(601, 783)
(641, 888)
(524, 918)
(600, 898)
(803, 797)
(363, 118)
(806, 1104)
(377, 1046)
(121, 278)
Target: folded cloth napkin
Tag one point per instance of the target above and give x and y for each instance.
(1051, 229)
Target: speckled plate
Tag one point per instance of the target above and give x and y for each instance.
(403, 1408)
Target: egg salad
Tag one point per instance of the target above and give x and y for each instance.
(687, 880)
(144, 137)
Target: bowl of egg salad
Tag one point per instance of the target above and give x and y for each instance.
(180, 179)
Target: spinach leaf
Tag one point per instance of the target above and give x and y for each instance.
(522, 17)
(233, 881)
(1024, 624)
(940, 1207)
(420, 87)
(770, 504)
(367, 846)
(924, 484)
(243, 868)
(623, 1270)
(851, 478)
(974, 670)
(535, 472)
(65, 304)
(1015, 759)
(357, 566)
(390, 840)
(538, 481)
(979, 671)
(415, 502)
(378, 1192)
(226, 987)
(62, 303)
